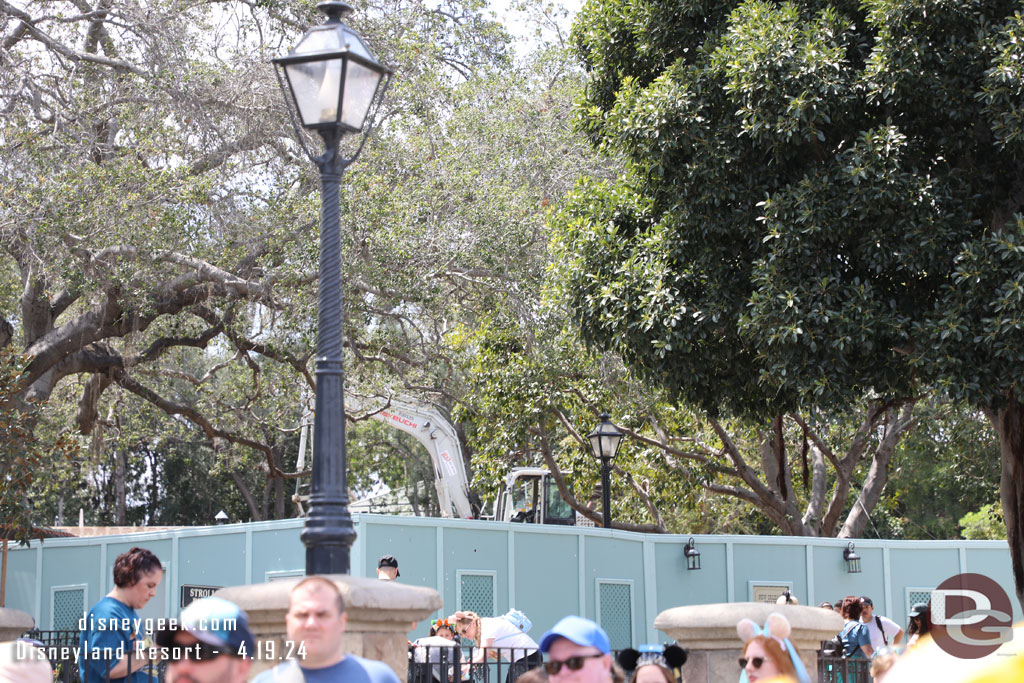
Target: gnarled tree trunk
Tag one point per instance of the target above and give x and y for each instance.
(1009, 425)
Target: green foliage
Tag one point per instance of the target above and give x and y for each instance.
(817, 204)
(160, 236)
(947, 466)
(24, 457)
(984, 524)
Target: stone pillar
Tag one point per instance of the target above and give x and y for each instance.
(14, 622)
(708, 632)
(380, 615)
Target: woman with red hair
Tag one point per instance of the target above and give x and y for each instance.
(768, 653)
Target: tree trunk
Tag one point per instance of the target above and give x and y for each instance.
(247, 495)
(278, 486)
(898, 422)
(1009, 424)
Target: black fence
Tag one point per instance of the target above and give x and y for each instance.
(61, 649)
(843, 670)
(454, 664)
(427, 663)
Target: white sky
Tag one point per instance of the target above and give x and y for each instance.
(516, 25)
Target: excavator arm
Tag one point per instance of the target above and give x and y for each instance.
(428, 426)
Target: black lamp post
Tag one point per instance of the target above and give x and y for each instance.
(333, 80)
(604, 441)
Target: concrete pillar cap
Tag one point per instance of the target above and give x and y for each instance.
(713, 627)
(365, 599)
(14, 622)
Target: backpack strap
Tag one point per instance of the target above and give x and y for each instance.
(878, 622)
(843, 637)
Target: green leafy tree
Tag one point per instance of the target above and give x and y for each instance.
(947, 466)
(820, 203)
(23, 454)
(158, 222)
(532, 398)
(984, 524)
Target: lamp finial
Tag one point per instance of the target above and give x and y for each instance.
(334, 9)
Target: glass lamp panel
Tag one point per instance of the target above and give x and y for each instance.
(316, 86)
(320, 39)
(360, 86)
(355, 44)
(612, 441)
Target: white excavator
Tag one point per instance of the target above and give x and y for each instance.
(529, 494)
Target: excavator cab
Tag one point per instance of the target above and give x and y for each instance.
(530, 496)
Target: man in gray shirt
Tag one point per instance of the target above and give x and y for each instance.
(317, 619)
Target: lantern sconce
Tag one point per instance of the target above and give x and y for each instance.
(692, 555)
(852, 560)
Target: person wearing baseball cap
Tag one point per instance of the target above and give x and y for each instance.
(387, 568)
(210, 643)
(578, 651)
(883, 630)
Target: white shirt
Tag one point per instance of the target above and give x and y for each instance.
(891, 630)
(506, 635)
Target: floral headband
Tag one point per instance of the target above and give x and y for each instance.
(777, 627)
(441, 623)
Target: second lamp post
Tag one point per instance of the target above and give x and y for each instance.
(604, 441)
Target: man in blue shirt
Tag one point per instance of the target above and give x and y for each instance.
(110, 645)
(316, 621)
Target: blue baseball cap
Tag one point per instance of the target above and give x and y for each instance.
(580, 631)
(214, 621)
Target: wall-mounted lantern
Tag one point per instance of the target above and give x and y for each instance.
(692, 555)
(852, 560)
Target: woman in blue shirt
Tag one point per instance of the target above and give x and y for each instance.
(111, 645)
(855, 635)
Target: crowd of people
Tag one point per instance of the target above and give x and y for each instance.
(211, 642)
(866, 635)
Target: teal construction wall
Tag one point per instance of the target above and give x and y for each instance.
(620, 578)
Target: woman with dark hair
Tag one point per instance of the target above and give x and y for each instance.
(111, 645)
(920, 623)
(855, 635)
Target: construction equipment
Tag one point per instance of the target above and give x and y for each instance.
(529, 494)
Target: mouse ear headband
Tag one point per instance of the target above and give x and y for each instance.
(668, 656)
(778, 628)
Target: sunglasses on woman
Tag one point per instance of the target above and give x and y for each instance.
(574, 663)
(756, 661)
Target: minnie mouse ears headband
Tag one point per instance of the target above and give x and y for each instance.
(668, 656)
(776, 626)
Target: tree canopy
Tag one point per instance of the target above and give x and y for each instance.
(820, 204)
(158, 246)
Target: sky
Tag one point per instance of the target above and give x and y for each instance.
(517, 25)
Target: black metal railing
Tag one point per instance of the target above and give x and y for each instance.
(454, 664)
(843, 670)
(61, 648)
